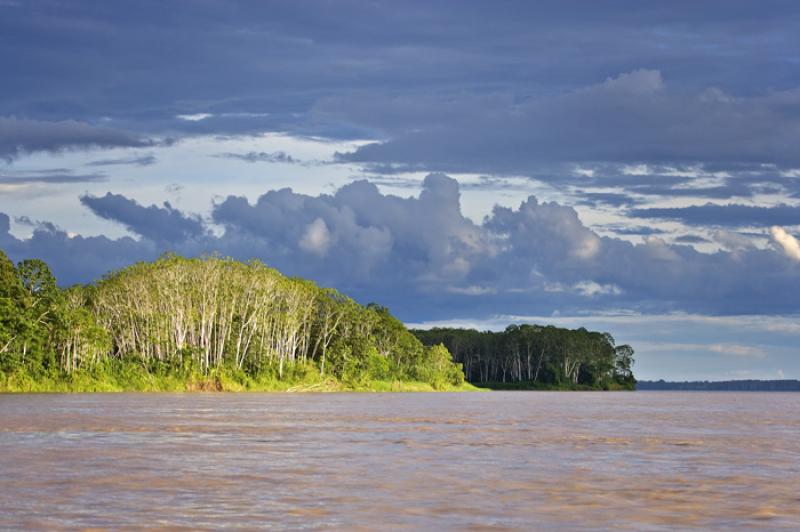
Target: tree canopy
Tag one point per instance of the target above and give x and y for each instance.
(538, 356)
(203, 315)
(198, 317)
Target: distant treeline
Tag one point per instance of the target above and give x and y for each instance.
(537, 356)
(192, 319)
(785, 385)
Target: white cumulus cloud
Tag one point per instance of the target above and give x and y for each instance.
(789, 243)
(317, 238)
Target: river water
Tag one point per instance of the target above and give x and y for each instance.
(516, 460)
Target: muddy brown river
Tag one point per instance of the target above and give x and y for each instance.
(516, 460)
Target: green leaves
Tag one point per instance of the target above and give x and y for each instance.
(536, 356)
(197, 318)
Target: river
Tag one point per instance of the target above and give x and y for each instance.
(501, 460)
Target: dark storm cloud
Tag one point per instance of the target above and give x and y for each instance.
(705, 95)
(422, 256)
(730, 215)
(160, 224)
(632, 118)
(75, 258)
(20, 136)
(448, 85)
(46, 226)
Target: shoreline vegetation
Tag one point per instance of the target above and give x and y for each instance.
(535, 357)
(215, 324)
(136, 379)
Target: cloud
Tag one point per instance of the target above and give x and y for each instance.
(317, 238)
(632, 118)
(421, 256)
(429, 88)
(787, 242)
(729, 215)
(691, 239)
(613, 199)
(643, 183)
(22, 136)
(48, 177)
(160, 224)
(140, 160)
(75, 258)
(738, 350)
(733, 240)
(377, 238)
(390, 72)
(633, 230)
(196, 117)
(584, 288)
(260, 157)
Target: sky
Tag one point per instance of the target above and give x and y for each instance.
(631, 167)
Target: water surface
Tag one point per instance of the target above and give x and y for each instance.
(515, 460)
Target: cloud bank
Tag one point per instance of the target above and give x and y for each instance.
(423, 257)
(22, 136)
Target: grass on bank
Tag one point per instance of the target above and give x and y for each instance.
(135, 378)
(131, 376)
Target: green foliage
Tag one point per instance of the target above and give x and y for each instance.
(201, 324)
(10, 300)
(216, 324)
(536, 357)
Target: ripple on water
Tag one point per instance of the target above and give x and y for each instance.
(464, 461)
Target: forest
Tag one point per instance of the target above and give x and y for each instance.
(206, 323)
(537, 357)
(214, 323)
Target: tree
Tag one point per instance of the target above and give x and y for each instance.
(623, 364)
(206, 315)
(10, 309)
(536, 355)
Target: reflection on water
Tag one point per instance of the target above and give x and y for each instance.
(491, 460)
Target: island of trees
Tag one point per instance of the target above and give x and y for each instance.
(213, 323)
(537, 357)
(204, 324)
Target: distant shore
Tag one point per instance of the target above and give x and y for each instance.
(750, 385)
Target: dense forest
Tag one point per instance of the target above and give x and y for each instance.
(205, 323)
(533, 356)
(215, 323)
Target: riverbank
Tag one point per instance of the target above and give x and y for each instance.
(82, 382)
(528, 386)
(132, 378)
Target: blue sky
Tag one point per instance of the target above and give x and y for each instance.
(627, 166)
